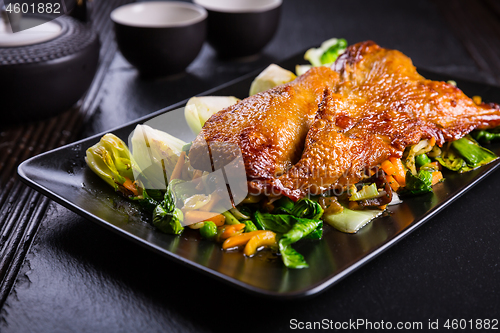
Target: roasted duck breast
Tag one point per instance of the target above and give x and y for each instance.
(269, 128)
(326, 128)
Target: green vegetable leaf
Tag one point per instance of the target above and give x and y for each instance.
(301, 212)
(167, 217)
(279, 223)
(473, 154)
(316, 233)
(306, 208)
(249, 226)
(465, 155)
(284, 205)
(451, 160)
(330, 55)
(422, 183)
(291, 258)
(327, 53)
(148, 201)
(168, 222)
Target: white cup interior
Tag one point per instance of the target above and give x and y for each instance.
(158, 14)
(239, 6)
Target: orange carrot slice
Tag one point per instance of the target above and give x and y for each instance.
(240, 239)
(176, 174)
(194, 216)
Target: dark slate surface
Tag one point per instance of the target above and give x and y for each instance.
(81, 277)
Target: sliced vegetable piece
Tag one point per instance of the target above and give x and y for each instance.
(131, 186)
(465, 155)
(195, 216)
(199, 109)
(214, 199)
(270, 77)
(330, 205)
(239, 215)
(437, 176)
(393, 183)
(266, 238)
(431, 167)
(156, 154)
(351, 221)
(176, 173)
(230, 219)
(367, 192)
(473, 154)
(327, 53)
(400, 174)
(451, 160)
(196, 202)
(232, 230)
(388, 168)
(239, 239)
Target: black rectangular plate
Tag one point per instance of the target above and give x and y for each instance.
(62, 175)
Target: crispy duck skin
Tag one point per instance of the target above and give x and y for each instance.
(372, 104)
(380, 106)
(270, 127)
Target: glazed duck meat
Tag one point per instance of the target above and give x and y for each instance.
(337, 123)
(270, 128)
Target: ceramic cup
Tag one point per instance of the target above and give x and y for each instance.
(241, 28)
(160, 38)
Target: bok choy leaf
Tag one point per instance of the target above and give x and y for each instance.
(421, 183)
(351, 221)
(156, 154)
(465, 155)
(291, 258)
(111, 160)
(167, 217)
(327, 53)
